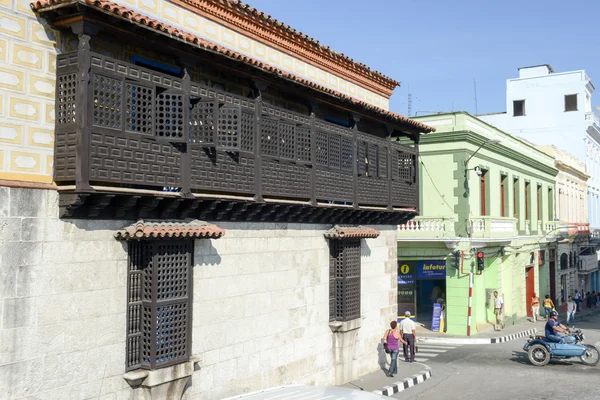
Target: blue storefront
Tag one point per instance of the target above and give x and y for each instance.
(421, 283)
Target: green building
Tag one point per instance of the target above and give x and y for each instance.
(486, 215)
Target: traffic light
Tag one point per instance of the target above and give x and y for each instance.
(480, 263)
(456, 259)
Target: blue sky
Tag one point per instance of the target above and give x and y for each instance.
(438, 47)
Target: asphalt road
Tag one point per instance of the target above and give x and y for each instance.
(502, 371)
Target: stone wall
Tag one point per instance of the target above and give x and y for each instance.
(261, 313)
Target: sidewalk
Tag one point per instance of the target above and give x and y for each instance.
(489, 336)
(409, 374)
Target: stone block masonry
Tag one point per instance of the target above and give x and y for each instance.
(260, 312)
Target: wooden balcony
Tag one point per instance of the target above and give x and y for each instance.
(132, 142)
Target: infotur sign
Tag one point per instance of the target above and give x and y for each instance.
(431, 269)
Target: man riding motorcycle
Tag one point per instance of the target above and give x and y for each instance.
(554, 330)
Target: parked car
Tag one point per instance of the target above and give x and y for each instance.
(301, 392)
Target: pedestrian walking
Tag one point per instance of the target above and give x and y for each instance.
(391, 337)
(588, 300)
(535, 307)
(498, 311)
(409, 334)
(548, 306)
(571, 310)
(577, 298)
(594, 299)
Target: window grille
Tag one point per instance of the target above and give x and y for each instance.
(347, 154)
(139, 108)
(107, 101)
(169, 115)
(66, 99)
(202, 121)
(228, 137)
(287, 145)
(322, 140)
(159, 303)
(334, 150)
(247, 132)
(269, 136)
(303, 143)
(344, 279)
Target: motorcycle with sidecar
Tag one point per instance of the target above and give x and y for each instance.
(540, 351)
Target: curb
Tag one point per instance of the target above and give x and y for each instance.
(500, 339)
(400, 386)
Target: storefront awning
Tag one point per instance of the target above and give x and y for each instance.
(187, 229)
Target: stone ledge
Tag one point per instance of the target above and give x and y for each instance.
(346, 326)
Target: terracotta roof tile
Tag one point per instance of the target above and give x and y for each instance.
(267, 19)
(188, 229)
(351, 232)
(132, 16)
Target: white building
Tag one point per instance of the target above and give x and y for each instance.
(550, 108)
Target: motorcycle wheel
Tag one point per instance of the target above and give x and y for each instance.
(591, 355)
(538, 355)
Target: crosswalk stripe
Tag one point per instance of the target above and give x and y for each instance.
(419, 359)
(426, 354)
(421, 349)
(436, 346)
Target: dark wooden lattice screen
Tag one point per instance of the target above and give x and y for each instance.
(159, 303)
(344, 279)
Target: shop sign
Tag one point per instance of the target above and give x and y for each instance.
(431, 269)
(437, 316)
(406, 272)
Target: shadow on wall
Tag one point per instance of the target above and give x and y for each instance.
(382, 356)
(365, 250)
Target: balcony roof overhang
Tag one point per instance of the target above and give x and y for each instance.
(63, 14)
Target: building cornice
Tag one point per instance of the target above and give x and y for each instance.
(267, 30)
(477, 139)
(561, 166)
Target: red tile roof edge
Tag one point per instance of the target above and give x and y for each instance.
(351, 232)
(189, 229)
(249, 12)
(132, 16)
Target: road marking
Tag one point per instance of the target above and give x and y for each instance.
(437, 346)
(419, 359)
(427, 354)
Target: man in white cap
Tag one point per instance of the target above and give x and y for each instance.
(409, 334)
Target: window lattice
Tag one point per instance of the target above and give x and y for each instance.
(139, 108)
(334, 150)
(269, 135)
(373, 160)
(406, 166)
(347, 154)
(169, 115)
(344, 275)
(202, 122)
(247, 132)
(158, 303)
(321, 142)
(303, 143)
(362, 158)
(383, 162)
(171, 332)
(67, 91)
(287, 146)
(228, 137)
(107, 102)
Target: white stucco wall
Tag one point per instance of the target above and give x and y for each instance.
(546, 123)
(260, 313)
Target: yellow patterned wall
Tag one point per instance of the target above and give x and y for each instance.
(27, 84)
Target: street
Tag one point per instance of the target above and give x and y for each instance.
(502, 371)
